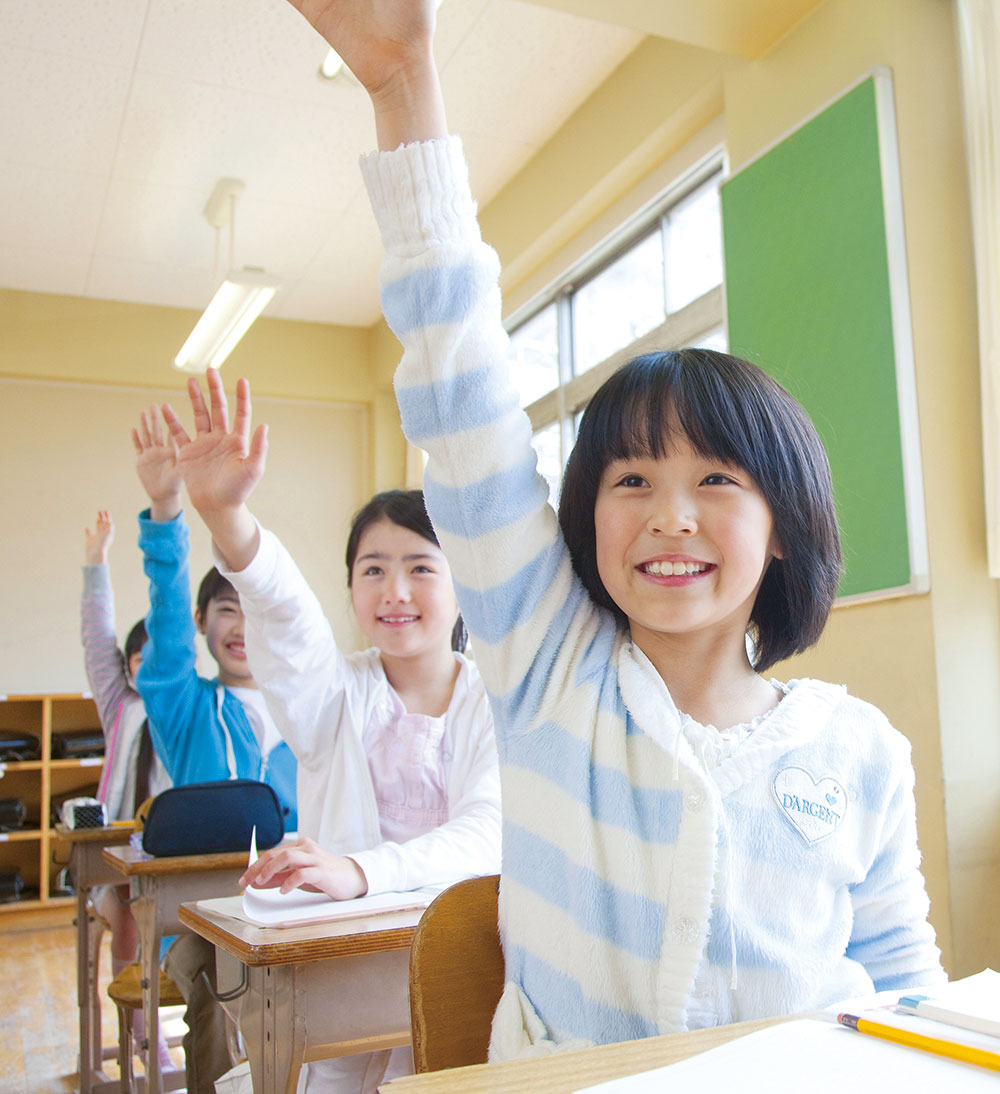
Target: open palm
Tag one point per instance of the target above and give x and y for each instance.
(220, 466)
(374, 37)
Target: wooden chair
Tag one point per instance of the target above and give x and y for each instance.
(126, 991)
(456, 976)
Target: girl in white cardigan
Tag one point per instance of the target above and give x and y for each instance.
(686, 841)
(398, 782)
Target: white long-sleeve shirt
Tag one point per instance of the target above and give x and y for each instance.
(328, 707)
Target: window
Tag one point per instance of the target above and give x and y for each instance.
(657, 284)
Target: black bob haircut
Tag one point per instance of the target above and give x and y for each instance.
(407, 509)
(729, 410)
(213, 584)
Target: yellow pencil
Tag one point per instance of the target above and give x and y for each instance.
(970, 1055)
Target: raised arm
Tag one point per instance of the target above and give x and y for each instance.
(387, 45)
(156, 466)
(97, 542)
(221, 466)
(103, 659)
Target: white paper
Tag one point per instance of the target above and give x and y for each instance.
(809, 1055)
(273, 908)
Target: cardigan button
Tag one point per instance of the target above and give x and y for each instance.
(695, 801)
(684, 930)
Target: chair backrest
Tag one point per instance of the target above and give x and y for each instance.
(456, 976)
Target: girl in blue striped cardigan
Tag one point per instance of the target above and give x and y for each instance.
(686, 842)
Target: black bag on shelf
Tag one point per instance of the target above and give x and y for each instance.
(212, 818)
(77, 744)
(18, 747)
(12, 814)
(11, 886)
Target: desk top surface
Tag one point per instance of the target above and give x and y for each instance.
(135, 863)
(108, 835)
(260, 946)
(565, 1072)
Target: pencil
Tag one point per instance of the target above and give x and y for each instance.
(967, 1053)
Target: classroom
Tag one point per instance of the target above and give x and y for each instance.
(75, 370)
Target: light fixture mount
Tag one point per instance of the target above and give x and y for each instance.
(238, 300)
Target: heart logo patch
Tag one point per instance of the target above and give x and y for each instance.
(813, 807)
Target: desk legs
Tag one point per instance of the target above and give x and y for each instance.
(144, 910)
(87, 953)
(317, 1010)
(272, 1027)
(83, 865)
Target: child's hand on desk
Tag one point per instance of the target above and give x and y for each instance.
(305, 865)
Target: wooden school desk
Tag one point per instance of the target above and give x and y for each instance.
(565, 1072)
(89, 870)
(300, 998)
(159, 886)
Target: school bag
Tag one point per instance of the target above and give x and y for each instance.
(212, 818)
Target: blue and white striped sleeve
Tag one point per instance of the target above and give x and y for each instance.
(440, 296)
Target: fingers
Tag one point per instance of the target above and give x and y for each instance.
(241, 423)
(274, 866)
(150, 432)
(177, 431)
(202, 422)
(220, 407)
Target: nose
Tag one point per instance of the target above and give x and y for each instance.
(397, 589)
(673, 514)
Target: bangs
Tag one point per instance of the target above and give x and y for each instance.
(660, 398)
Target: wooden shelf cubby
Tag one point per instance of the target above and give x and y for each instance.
(32, 849)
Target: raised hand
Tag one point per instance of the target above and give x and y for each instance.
(305, 865)
(221, 466)
(96, 543)
(387, 45)
(156, 466)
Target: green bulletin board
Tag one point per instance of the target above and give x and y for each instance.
(816, 294)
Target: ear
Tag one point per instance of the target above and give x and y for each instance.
(777, 551)
(199, 620)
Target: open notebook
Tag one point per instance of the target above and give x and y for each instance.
(820, 1056)
(272, 908)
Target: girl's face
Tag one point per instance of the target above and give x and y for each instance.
(402, 591)
(682, 543)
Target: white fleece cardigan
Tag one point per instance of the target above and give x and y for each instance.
(630, 871)
(322, 701)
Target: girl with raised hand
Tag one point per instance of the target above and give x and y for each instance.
(687, 842)
(398, 781)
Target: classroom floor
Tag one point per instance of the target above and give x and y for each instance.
(39, 1026)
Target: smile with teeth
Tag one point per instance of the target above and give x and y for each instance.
(398, 618)
(673, 569)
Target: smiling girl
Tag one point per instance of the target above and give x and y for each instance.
(686, 842)
(398, 779)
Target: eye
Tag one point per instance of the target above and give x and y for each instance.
(631, 480)
(422, 570)
(371, 571)
(718, 478)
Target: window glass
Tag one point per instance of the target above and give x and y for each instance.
(714, 339)
(534, 360)
(694, 247)
(620, 304)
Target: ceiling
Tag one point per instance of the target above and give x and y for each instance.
(120, 116)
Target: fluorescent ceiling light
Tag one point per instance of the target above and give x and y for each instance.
(236, 304)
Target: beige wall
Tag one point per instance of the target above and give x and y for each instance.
(74, 376)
